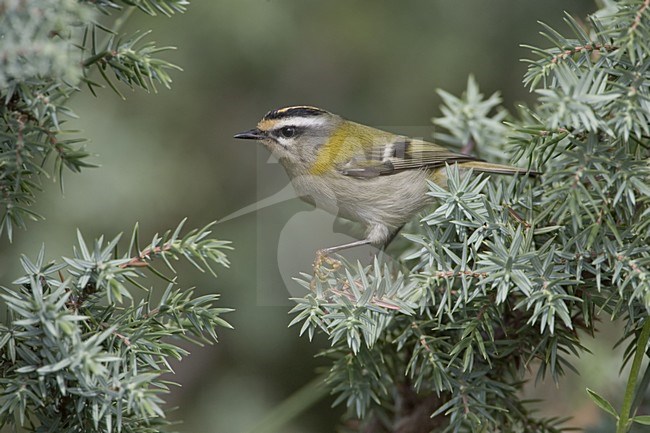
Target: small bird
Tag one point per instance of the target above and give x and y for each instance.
(361, 173)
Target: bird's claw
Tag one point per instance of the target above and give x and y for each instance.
(323, 266)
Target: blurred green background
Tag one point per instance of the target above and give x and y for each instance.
(171, 155)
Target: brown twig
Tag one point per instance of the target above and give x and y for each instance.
(519, 219)
(469, 273)
(639, 16)
(124, 338)
(547, 132)
(582, 48)
(469, 147)
(142, 260)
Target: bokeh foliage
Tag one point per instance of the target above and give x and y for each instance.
(87, 339)
(49, 49)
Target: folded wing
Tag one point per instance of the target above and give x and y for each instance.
(402, 154)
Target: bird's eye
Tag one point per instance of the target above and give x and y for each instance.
(288, 131)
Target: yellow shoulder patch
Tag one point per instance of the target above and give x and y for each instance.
(349, 140)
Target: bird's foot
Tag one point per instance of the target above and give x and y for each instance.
(324, 266)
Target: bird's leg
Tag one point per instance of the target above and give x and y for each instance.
(323, 257)
(330, 250)
(392, 236)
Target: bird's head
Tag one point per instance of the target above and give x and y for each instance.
(295, 134)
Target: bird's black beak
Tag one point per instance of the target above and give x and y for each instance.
(252, 134)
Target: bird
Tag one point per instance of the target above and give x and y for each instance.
(359, 172)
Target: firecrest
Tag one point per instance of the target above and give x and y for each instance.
(361, 173)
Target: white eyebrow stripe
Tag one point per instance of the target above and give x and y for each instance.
(299, 122)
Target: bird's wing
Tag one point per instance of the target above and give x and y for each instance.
(401, 154)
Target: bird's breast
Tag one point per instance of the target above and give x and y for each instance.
(389, 200)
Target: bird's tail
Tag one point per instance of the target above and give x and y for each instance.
(488, 167)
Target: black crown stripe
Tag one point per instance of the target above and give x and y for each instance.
(298, 111)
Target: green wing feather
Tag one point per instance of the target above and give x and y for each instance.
(420, 154)
(402, 154)
(405, 153)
